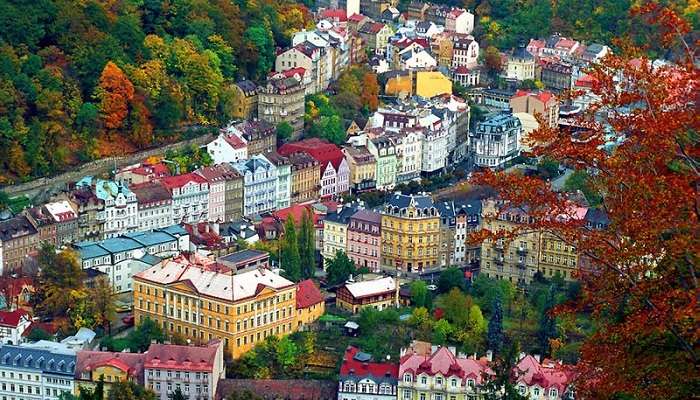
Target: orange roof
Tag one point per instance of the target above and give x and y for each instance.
(308, 294)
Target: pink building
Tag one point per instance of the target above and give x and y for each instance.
(364, 239)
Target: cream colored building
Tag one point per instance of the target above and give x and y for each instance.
(521, 65)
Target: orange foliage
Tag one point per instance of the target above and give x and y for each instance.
(115, 91)
(370, 91)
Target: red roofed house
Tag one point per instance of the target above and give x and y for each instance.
(12, 326)
(228, 147)
(546, 380)
(335, 172)
(114, 367)
(195, 370)
(533, 103)
(190, 197)
(310, 303)
(140, 173)
(362, 379)
(310, 57)
(335, 15)
(16, 292)
(429, 372)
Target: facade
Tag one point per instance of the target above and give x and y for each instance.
(410, 233)
(364, 238)
(233, 196)
(362, 379)
(113, 367)
(227, 147)
(195, 370)
(90, 212)
(201, 300)
(548, 379)
(521, 65)
(258, 135)
(363, 168)
(246, 100)
(310, 303)
(36, 372)
(18, 238)
(120, 214)
(65, 219)
(465, 51)
(259, 185)
(284, 179)
(310, 57)
(122, 257)
(384, 151)
(282, 100)
(305, 177)
(439, 373)
(217, 191)
(496, 140)
(335, 173)
(155, 205)
(376, 36)
(459, 20)
(190, 193)
(142, 172)
(335, 231)
(543, 103)
(466, 77)
(557, 75)
(434, 149)
(409, 153)
(380, 294)
(12, 326)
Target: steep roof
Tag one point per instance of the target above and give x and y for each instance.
(356, 366)
(16, 227)
(308, 294)
(548, 374)
(178, 181)
(191, 358)
(131, 363)
(274, 389)
(12, 318)
(443, 361)
(323, 151)
(151, 192)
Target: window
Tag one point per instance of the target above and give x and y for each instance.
(553, 393)
(423, 380)
(471, 383)
(522, 389)
(454, 382)
(438, 381)
(422, 396)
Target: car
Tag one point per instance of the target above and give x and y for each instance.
(121, 307)
(432, 287)
(128, 320)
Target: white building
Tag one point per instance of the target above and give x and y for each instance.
(335, 177)
(465, 51)
(363, 378)
(416, 59)
(12, 326)
(228, 147)
(496, 140)
(409, 153)
(120, 214)
(459, 20)
(259, 185)
(435, 140)
(190, 194)
(42, 371)
(155, 205)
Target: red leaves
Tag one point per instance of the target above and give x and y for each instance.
(115, 92)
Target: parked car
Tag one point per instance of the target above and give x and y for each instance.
(121, 306)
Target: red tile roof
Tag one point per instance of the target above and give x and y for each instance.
(444, 362)
(12, 287)
(323, 151)
(187, 358)
(543, 96)
(334, 13)
(308, 294)
(12, 318)
(131, 363)
(356, 18)
(357, 368)
(548, 374)
(235, 141)
(179, 181)
(297, 212)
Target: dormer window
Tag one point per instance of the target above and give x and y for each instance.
(471, 383)
(553, 393)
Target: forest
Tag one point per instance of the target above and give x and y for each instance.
(80, 80)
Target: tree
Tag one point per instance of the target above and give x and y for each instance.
(129, 390)
(60, 282)
(370, 91)
(500, 381)
(456, 307)
(102, 295)
(146, 332)
(548, 326)
(307, 245)
(639, 283)
(450, 278)
(495, 335)
(284, 131)
(492, 60)
(339, 268)
(177, 394)
(115, 91)
(290, 259)
(420, 295)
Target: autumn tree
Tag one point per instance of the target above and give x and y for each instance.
(129, 390)
(370, 91)
(639, 279)
(102, 296)
(114, 92)
(60, 279)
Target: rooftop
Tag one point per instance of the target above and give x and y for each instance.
(357, 365)
(308, 294)
(191, 358)
(372, 287)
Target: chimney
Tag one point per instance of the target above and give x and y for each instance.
(489, 355)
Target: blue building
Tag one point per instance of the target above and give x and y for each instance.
(259, 185)
(36, 372)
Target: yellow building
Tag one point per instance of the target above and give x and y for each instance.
(245, 100)
(379, 294)
(113, 367)
(410, 233)
(196, 298)
(399, 84)
(310, 303)
(432, 83)
(363, 168)
(305, 177)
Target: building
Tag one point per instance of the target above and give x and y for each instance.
(90, 212)
(227, 147)
(122, 257)
(363, 168)
(190, 193)
(548, 379)
(64, 217)
(416, 59)
(310, 303)
(439, 373)
(258, 135)
(195, 370)
(432, 83)
(18, 239)
(275, 389)
(465, 51)
(111, 366)
(245, 260)
(375, 36)
(468, 217)
(310, 57)
(466, 77)
(434, 147)
(399, 83)
(380, 294)
(557, 76)
(202, 300)
(335, 173)
(284, 179)
(409, 153)
(225, 192)
(155, 205)
(245, 100)
(259, 185)
(306, 172)
(459, 20)
(521, 64)
(384, 151)
(410, 233)
(363, 379)
(282, 100)
(543, 103)
(448, 233)
(143, 172)
(120, 214)
(496, 140)
(335, 231)
(41, 372)
(417, 9)
(12, 326)
(364, 238)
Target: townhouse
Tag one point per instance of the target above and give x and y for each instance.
(227, 147)
(312, 58)
(225, 192)
(40, 372)
(245, 100)
(281, 99)
(310, 304)
(155, 205)
(496, 140)
(335, 173)
(18, 239)
(13, 324)
(364, 239)
(284, 179)
(259, 136)
(362, 166)
(335, 231)
(305, 177)
(361, 378)
(259, 185)
(110, 366)
(465, 51)
(120, 213)
(190, 194)
(375, 36)
(384, 151)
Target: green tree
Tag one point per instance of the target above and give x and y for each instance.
(580, 180)
(495, 334)
(284, 131)
(339, 268)
(456, 306)
(450, 278)
(442, 330)
(307, 245)
(141, 337)
(102, 295)
(420, 295)
(129, 390)
(548, 326)
(177, 394)
(500, 384)
(259, 37)
(290, 259)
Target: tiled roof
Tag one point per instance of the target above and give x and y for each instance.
(131, 363)
(543, 96)
(16, 227)
(273, 389)
(370, 288)
(187, 358)
(354, 368)
(334, 13)
(12, 318)
(151, 192)
(367, 216)
(234, 141)
(308, 294)
(323, 151)
(179, 181)
(443, 361)
(548, 374)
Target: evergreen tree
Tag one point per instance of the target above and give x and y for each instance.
(495, 333)
(177, 394)
(291, 261)
(307, 247)
(339, 268)
(500, 385)
(548, 325)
